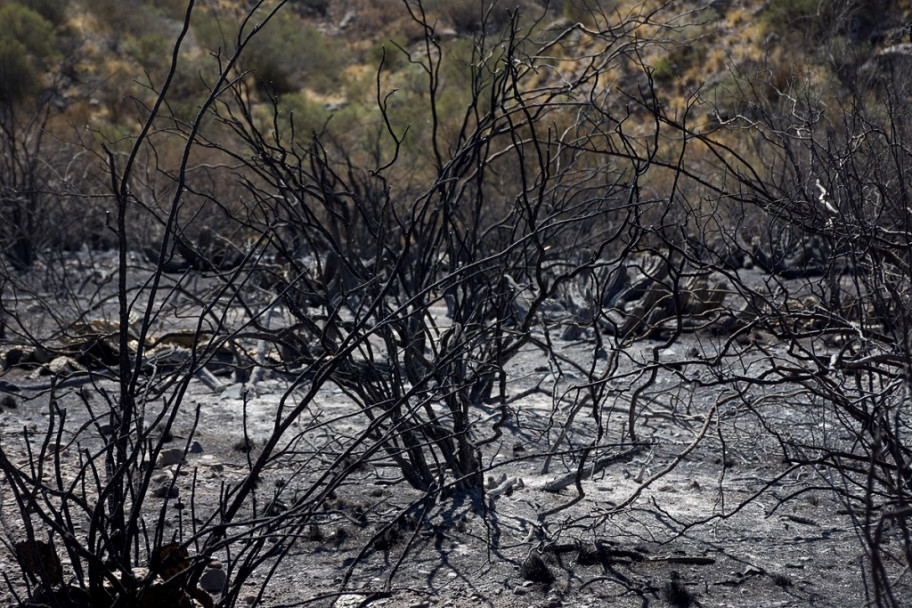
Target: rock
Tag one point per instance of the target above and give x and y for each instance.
(166, 490)
(573, 332)
(196, 448)
(169, 457)
(214, 580)
(63, 366)
(235, 391)
(350, 600)
(13, 357)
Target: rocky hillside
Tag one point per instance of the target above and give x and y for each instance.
(98, 57)
(86, 72)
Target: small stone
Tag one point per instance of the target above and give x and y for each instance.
(350, 600)
(169, 457)
(63, 366)
(750, 571)
(520, 591)
(213, 580)
(196, 448)
(14, 356)
(235, 391)
(165, 491)
(9, 401)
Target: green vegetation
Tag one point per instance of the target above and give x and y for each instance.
(585, 11)
(288, 55)
(815, 21)
(17, 74)
(795, 15)
(26, 47)
(52, 10)
(318, 61)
